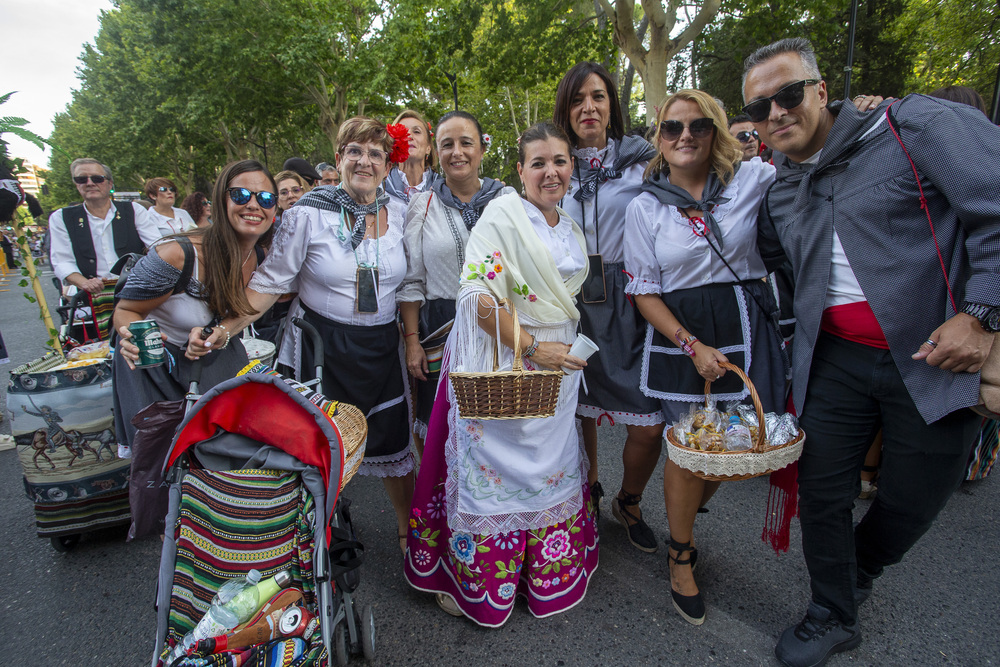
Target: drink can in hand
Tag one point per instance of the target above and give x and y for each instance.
(146, 337)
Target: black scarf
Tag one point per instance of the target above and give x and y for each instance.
(472, 209)
(329, 198)
(674, 195)
(630, 151)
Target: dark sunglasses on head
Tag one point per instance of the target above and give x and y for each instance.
(788, 97)
(745, 137)
(699, 128)
(164, 188)
(82, 180)
(242, 196)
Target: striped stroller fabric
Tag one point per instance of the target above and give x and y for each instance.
(232, 522)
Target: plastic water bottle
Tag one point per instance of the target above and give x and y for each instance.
(737, 437)
(235, 602)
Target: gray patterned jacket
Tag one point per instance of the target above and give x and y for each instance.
(864, 186)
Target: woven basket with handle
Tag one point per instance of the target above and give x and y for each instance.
(760, 459)
(513, 394)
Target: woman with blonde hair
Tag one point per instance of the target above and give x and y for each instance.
(697, 279)
(417, 173)
(291, 187)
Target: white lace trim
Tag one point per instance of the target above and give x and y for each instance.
(735, 463)
(384, 466)
(648, 348)
(606, 155)
(640, 286)
(628, 418)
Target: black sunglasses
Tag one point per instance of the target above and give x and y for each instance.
(164, 188)
(242, 196)
(788, 97)
(82, 180)
(745, 137)
(700, 128)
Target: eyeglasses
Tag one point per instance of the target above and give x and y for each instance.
(354, 153)
(293, 191)
(164, 188)
(788, 97)
(745, 137)
(241, 196)
(324, 166)
(82, 180)
(671, 130)
(206, 203)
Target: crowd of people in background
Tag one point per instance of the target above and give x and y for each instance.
(707, 241)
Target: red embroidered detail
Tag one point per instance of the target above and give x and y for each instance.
(611, 420)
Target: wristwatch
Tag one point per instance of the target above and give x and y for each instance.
(988, 316)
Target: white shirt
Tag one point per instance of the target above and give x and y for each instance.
(663, 254)
(101, 231)
(435, 241)
(843, 287)
(560, 240)
(181, 222)
(607, 238)
(312, 249)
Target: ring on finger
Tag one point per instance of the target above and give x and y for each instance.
(930, 342)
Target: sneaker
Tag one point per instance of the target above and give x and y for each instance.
(815, 638)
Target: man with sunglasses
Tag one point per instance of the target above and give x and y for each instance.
(895, 309)
(88, 238)
(743, 130)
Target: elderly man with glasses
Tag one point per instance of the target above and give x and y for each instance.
(328, 174)
(891, 221)
(88, 238)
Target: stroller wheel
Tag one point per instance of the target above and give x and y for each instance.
(65, 543)
(340, 644)
(368, 633)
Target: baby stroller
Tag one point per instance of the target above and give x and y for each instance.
(81, 317)
(255, 473)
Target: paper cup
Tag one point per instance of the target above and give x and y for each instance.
(583, 348)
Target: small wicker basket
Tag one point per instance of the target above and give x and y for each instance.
(513, 394)
(353, 429)
(761, 459)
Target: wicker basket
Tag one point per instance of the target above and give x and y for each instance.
(761, 459)
(513, 394)
(353, 429)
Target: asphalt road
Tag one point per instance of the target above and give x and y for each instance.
(93, 606)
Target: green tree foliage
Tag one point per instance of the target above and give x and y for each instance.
(957, 42)
(179, 87)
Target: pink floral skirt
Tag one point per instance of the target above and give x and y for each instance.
(550, 567)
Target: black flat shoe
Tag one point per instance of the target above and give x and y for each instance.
(690, 607)
(639, 533)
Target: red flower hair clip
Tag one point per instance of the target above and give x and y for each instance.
(400, 143)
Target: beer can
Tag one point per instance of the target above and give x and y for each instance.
(146, 336)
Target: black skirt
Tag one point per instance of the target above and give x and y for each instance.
(361, 366)
(739, 320)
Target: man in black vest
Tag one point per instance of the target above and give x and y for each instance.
(87, 239)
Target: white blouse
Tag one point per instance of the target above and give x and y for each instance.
(663, 253)
(312, 249)
(435, 241)
(607, 238)
(560, 241)
(181, 222)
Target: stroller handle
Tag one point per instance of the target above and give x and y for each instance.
(317, 344)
